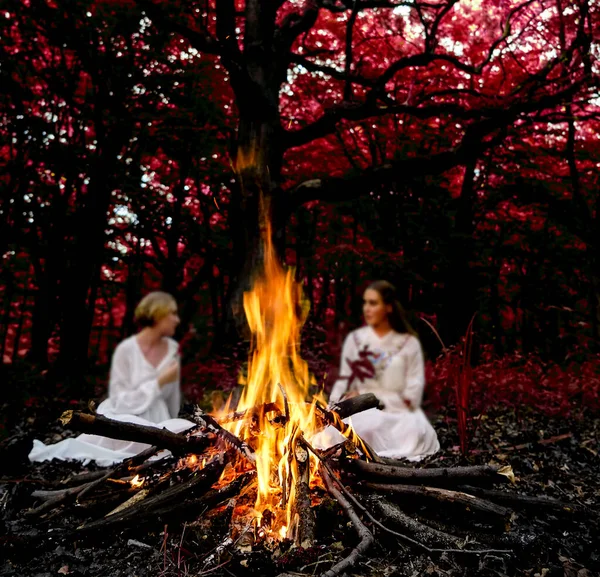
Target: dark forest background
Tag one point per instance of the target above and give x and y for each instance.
(449, 147)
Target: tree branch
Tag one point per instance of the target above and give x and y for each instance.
(326, 123)
(293, 25)
(354, 185)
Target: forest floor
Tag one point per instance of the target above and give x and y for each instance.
(552, 456)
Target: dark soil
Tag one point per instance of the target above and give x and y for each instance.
(556, 457)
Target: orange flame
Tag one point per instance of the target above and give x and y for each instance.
(276, 310)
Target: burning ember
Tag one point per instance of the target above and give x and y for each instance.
(136, 482)
(277, 376)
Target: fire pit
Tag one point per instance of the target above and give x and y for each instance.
(256, 465)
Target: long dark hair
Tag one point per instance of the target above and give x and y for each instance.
(397, 317)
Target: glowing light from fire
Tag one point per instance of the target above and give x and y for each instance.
(275, 309)
(136, 482)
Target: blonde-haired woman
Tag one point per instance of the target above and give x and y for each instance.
(143, 387)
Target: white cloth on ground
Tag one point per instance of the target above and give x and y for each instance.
(134, 396)
(392, 369)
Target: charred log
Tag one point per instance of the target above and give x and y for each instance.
(98, 425)
(433, 476)
(443, 495)
(164, 501)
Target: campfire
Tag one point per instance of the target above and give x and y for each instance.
(256, 466)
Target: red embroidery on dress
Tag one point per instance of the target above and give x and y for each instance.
(363, 368)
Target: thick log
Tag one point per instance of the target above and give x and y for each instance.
(189, 509)
(178, 443)
(445, 495)
(357, 404)
(424, 534)
(434, 476)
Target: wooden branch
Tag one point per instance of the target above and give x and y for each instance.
(167, 500)
(99, 425)
(360, 507)
(344, 409)
(304, 516)
(333, 419)
(357, 111)
(82, 477)
(525, 501)
(192, 507)
(131, 462)
(452, 475)
(55, 498)
(425, 536)
(357, 404)
(210, 424)
(330, 70)
(293, 25)
(366, 537)
(445, 495)
(425, 533)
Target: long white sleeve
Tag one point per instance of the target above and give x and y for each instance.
(172, 396)
(349, 352)
(403, 380)
(127, 394)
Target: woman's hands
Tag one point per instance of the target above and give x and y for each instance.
(350, 395)
(169, 373)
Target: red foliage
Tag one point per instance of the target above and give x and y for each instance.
(517, 380)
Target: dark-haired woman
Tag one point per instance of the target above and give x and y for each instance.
(385, 358)
(143, 387)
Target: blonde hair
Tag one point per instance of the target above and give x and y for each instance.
(153, 307)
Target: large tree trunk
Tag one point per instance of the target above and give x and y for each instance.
(459, 300)
(258, 157)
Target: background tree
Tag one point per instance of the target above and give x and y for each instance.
(449, 146)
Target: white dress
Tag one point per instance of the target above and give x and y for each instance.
(134, 396)
(392, 368)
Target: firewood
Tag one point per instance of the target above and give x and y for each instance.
(123, 466)
(55, 498)
(199, 483)
(424, 534)
(434, 476)
(304, 530)
(358, 404)
(83, 477)
(99, 425)
(366, 537)
(445, 495)
(526, 501)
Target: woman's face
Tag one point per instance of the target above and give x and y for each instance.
(374, 309)
(168, 324)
